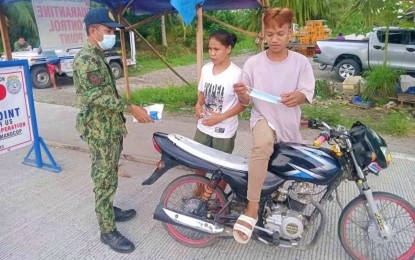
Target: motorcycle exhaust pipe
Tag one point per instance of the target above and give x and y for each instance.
(170, 216)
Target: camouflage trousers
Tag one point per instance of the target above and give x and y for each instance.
(105, 155)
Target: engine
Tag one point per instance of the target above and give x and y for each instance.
(286, 212)
(286, 222)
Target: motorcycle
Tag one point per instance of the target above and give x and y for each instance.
(301, 179)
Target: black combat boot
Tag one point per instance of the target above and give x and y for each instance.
(123, 215)
(117, 242)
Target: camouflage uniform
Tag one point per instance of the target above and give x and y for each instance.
(101, 124)
(18, 47)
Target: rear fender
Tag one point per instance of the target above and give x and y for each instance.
(166, 163)
(180, 156)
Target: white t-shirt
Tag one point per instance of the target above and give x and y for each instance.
(219, 98)
(276, 77)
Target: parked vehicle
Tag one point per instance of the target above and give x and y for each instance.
(39, 72)
(350, 57)
(300, 180)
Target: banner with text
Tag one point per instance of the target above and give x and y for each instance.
(61, 23)
(15, 122)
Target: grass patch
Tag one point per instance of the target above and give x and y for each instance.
(398, 124)
(389, 122)
(150, 63)
(329, 114)
(175, 99)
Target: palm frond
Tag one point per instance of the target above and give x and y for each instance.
(22, 14)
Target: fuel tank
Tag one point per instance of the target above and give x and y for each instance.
(292, 161)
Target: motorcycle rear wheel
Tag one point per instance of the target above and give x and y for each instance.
(178, 195)
(359, 236)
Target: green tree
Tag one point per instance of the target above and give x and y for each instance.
(304, 9)
(383, 13)
(21, 21)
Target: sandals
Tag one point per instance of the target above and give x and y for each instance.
(247, 231)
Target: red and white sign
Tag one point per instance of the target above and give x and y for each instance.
(15, 122)
(61, 23)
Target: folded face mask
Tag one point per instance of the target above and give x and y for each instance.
(264, 96)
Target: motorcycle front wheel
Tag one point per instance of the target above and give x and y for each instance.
(182, 196)
(359, 234)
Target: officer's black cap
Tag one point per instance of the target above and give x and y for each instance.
(101, 16)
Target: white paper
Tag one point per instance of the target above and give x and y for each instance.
(155, 111)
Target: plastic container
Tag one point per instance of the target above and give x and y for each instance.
(410, 90)
(359, 101)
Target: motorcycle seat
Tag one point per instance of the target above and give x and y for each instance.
(209, 154)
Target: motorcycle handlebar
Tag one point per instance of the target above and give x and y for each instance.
(315, 124)
(304, 123)
(324, 136)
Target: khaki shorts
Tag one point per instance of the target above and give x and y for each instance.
(223, 144)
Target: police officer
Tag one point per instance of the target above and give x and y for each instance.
(101, 123)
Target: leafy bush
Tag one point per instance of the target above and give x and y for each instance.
(381, 82)
(323, 89)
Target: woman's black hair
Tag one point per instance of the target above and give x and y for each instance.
(224, 37)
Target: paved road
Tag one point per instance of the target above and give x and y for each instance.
(50, 216)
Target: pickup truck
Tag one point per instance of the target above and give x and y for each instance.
(39, 73)
(351, 57)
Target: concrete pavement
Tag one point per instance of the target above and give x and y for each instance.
(51, 216)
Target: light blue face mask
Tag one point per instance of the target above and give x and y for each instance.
(107, 42)
(264, 96)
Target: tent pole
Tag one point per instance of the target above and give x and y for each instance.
(126, 7)
(5, 35)
(124, 56)
(147, 20)
(230, 26)
(199, 41)
(156, 52)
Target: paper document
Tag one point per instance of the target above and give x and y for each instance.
(154, 111)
